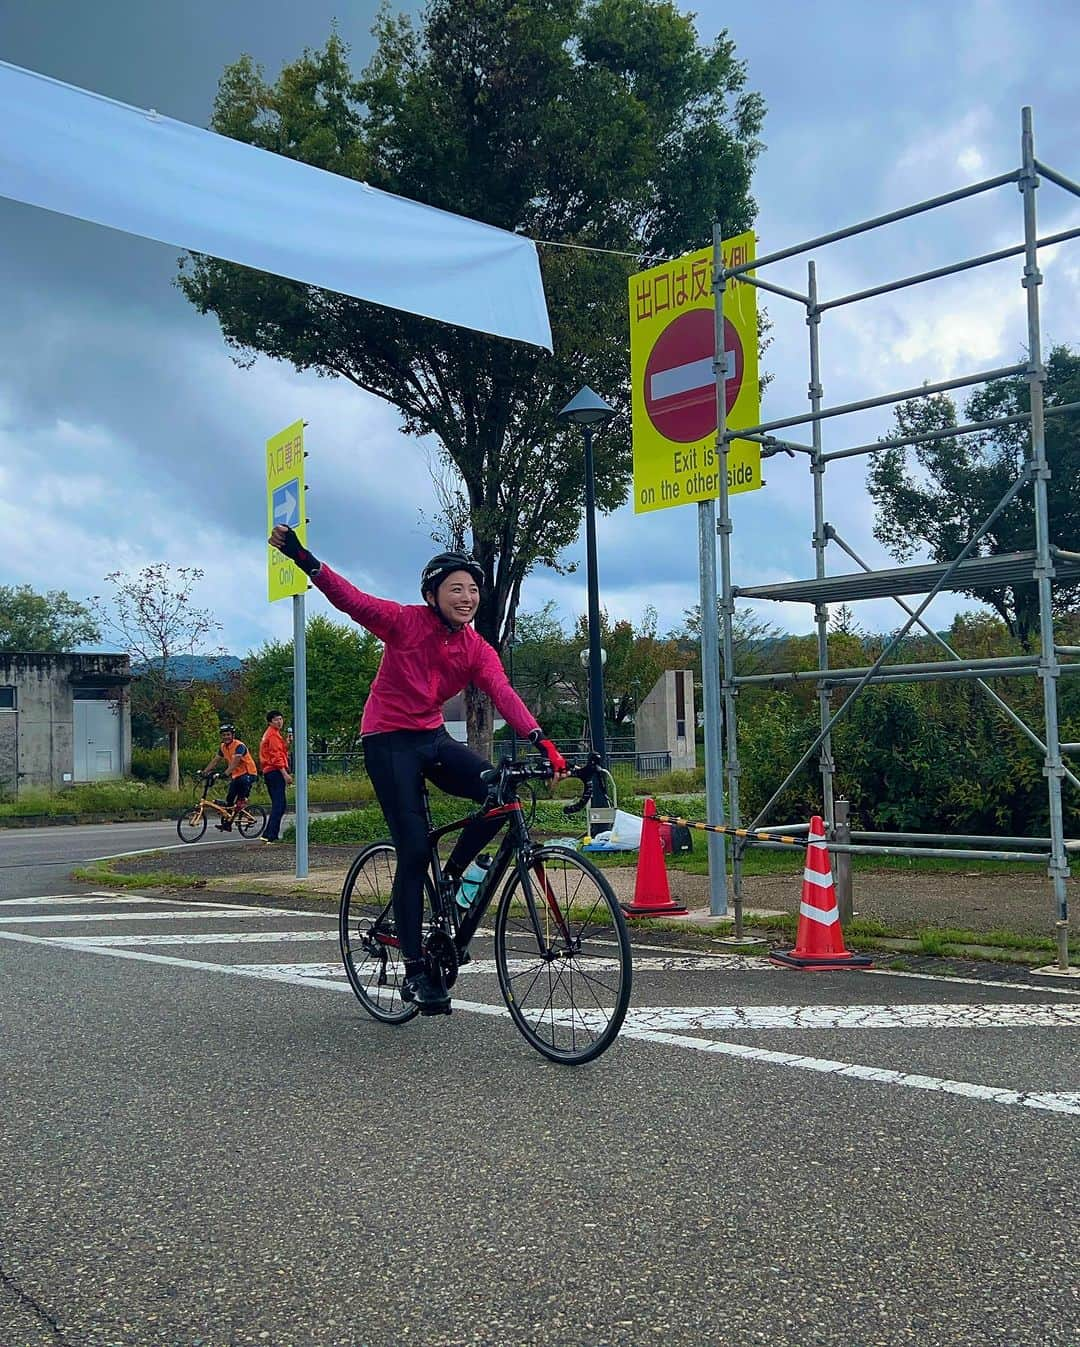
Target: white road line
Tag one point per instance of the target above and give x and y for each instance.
(1050, 1101)
(173, 846)
(185, 914)
(970, 982)
(67, 899)
(203, 938)
(722, 962)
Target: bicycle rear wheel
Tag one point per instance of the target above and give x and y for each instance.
(562, 953)
(251, 820)
(191, 824)
(369, 943)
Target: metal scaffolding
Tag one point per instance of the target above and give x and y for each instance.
(1044, 563)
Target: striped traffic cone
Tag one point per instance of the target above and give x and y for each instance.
(819, 942)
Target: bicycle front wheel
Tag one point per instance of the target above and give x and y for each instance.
(251, 820)
(369, 943)
(562, 953)
(191, 824)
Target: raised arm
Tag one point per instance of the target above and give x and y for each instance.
(380, 616)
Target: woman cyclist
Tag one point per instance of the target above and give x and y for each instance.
(430, 653)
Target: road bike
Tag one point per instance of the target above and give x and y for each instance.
(248, 819)
(562, 950)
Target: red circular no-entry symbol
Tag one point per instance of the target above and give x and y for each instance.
(680, 385)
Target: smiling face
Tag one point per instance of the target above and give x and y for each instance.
(457, 598)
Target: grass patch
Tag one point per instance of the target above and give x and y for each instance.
(119, 798)
(932, 941)
(148, 799)
(144, 879)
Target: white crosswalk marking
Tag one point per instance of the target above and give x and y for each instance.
(963, 1016)
(664, 1026)
(202, 938)
(184, 914)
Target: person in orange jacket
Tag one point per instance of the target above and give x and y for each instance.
(274, 764)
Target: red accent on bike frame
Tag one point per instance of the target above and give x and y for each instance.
(503, 809)
(551, 900)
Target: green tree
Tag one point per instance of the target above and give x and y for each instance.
(600, 123)
(551, 676)
(540, 659)
(152, 614)
(935, 494)
(341, 660)
(32, 622)
(203, 717)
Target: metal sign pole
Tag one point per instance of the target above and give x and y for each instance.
(300, 737)
(710, 633)
(710, 688)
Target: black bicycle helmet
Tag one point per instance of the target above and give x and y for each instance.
(438, 568)
(226, 729)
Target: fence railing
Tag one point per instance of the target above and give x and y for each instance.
(641, 764)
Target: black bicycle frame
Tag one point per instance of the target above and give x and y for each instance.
(515, 848)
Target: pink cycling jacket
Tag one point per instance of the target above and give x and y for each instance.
(424, 663)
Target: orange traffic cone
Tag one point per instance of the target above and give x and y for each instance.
(819, 942)
(652, 896)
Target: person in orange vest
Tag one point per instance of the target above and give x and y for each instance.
(274, 765)
(240, 766)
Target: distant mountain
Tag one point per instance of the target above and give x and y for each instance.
(201, 668)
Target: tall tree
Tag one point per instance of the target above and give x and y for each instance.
(43, 622)
(599, 123)
(342, 661)
(934, 495)
(152, 613)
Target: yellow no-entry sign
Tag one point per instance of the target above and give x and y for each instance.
(285, 505)
(673, 394)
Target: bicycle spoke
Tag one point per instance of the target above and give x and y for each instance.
(369, 943)
(567, 993)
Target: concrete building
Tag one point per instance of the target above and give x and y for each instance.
(666, 721)
(63, 718)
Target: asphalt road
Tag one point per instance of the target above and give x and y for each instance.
(207, 1142)
(38, 860)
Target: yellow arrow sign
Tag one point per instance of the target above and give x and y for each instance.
(285, 505)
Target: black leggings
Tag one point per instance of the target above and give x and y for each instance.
(240, 788)
(397, 763)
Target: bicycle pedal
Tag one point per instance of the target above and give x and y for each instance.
(436, 1010)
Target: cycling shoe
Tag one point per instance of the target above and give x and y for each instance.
(422, 990)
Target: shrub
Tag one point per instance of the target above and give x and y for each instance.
(152, 764)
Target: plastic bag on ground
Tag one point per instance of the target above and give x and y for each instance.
(625, 835)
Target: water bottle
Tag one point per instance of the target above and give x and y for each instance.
(465, 894)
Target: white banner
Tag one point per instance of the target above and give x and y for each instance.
(81, 154)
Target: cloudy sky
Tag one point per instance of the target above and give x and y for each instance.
(127, 435)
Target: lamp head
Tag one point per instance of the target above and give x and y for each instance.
(587, 408)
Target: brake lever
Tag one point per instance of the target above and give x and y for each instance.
(583, 774)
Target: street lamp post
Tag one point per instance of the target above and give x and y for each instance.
(587, 409)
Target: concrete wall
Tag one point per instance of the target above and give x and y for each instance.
(37, 739)
(660, 728)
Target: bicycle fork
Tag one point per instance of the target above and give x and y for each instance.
(546, 912)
